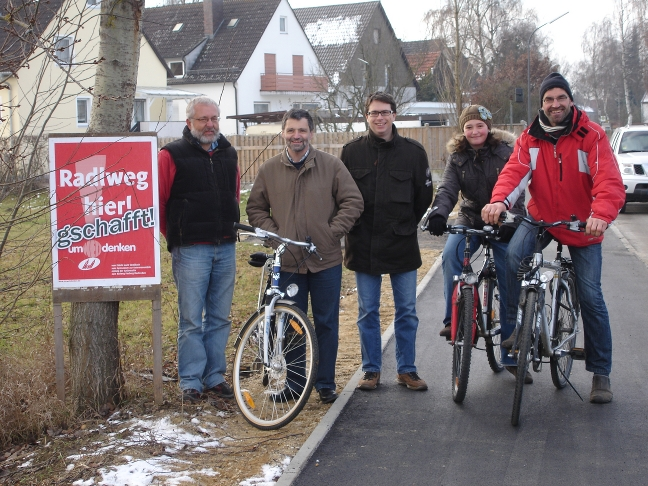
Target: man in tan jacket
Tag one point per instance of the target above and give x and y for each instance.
(299, 193)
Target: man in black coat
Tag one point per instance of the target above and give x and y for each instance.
(393, 175)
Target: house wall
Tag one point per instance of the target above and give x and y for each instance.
(152, 74)
(45, 85)
(224, 94)
(385, 52)
(284, 46)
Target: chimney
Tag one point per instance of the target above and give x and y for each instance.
(213, 16)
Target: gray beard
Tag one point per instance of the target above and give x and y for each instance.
(203, 139)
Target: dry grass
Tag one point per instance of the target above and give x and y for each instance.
(31, 415)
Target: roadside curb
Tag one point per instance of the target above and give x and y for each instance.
(317, 436)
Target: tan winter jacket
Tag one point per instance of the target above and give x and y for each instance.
(321, 200)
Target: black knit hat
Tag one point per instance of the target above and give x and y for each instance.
(555, 80)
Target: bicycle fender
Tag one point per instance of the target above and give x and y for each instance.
(286, 302)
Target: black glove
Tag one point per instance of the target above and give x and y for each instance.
(437, 225)
(506, 232)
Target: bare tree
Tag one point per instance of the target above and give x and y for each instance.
(622, 17)
(94, 343)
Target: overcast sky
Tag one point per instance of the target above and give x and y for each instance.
(406, 17)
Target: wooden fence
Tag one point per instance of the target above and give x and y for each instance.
(253, 150)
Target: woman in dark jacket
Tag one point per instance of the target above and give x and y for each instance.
(477, 156)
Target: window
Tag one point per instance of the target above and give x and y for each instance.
(376, 36)
(306, 106)
(261, 107)
(63, 50)
(270, 61)
(92, 3)
(178, 27)
(298, 65)
(83, 112)
(283, 28)
(388, 77)
(177, 68)
(139, 111)
(233, 23)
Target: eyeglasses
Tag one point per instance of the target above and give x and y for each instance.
(374, 114)
(561, 99)
(204, 119)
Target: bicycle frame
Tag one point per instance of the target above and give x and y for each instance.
(533, 279)
(273, 294)
(475, 281)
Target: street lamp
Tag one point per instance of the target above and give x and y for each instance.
(529, 66)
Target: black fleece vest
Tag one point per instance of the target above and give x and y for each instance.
(202, 206)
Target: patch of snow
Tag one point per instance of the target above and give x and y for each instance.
(270, 475)
(333, 31)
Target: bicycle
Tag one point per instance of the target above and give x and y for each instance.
(276, 354)
(540, 333)
(475, 311)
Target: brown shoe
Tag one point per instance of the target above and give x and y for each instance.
(369, 381)
(528, 379)
(601, 392)
(446, 332)
(412, 381)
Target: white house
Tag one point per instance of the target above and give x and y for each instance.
(251, 56)
(48, 70)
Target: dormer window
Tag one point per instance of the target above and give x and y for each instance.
(63, 50)
(178, 27)
(177, 68)
(233, 23)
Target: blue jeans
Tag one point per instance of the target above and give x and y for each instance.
(588, 261)
(405, 320)
(324, 289)
(452, 263)
(204, 276)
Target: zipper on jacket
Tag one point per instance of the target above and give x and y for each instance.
(560, 165)
(211, 164)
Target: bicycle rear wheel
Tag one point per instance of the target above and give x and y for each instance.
(524, 351)
(463, 344)
(565, 325)
(271, 395)
(493, 350)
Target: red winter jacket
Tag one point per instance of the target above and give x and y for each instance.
(578, 175)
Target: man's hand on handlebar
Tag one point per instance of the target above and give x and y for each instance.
(595, 227)
(491, 212)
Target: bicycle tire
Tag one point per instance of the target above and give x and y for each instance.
(262, 392)
(463, 344)
(565, 325)
(493, 349)
(524, 351)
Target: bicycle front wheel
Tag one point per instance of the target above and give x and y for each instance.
(462, 349)
(271, 394)
(565, 326)
(493, 323)
(525, 339)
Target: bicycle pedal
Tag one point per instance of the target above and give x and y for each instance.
(577, 353)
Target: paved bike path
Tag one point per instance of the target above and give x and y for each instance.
(394, 436)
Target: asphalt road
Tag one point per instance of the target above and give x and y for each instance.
(394, 436)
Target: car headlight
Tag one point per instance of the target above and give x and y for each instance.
(627, 169)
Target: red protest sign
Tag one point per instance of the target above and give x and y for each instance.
(104, 211)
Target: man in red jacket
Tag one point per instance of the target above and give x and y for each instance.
(569, 166)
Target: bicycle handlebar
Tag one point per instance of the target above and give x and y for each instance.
(465, 230)
(572, 225)
(268, 235)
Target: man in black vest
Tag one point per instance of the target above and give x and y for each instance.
(199, 195)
